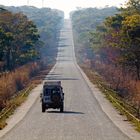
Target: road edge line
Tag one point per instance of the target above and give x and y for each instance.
(133, 134)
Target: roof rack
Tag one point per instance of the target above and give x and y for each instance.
(51, 83)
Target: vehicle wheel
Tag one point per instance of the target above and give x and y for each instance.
(43, 108)
(62, 108)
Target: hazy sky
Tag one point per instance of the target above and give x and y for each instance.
(64, 5)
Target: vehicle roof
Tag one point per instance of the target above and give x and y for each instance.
(52, 83)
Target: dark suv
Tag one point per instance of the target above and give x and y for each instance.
(52, 96)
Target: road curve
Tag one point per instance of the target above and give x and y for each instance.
(83, 118)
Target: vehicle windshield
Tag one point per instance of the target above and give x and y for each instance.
(49, 91)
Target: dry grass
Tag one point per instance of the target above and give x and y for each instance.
(12, 82)
(123, 80)
(12, 105)
(127, 109)
(19, 97)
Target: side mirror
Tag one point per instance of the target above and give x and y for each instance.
(41, 95)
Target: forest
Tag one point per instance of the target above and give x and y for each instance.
(28, 42)
(48, 22)
(84, 22)
(108, 41)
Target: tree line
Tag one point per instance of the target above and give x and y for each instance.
(19, 40)
(26, 34)
(48, 22)
(119, 38)
(112, 46)
(84, 22)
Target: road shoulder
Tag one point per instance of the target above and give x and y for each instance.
(120, 121)
(21, 111)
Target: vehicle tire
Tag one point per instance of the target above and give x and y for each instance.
(43, 108)
(62, 108)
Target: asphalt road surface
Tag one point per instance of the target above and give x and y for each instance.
(83, 118)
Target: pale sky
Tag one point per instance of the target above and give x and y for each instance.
(64, 5)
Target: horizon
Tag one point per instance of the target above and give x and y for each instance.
(63, 5)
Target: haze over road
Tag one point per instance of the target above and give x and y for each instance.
(83, 118)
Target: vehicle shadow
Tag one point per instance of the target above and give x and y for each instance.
(66, 112)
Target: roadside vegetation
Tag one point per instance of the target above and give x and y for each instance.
(28, 48)
(18, 97)
(48, 22)
(112, 48)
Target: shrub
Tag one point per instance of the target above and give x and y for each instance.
(15, 81)
(121, 79)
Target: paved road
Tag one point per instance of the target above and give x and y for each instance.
(83, 118)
